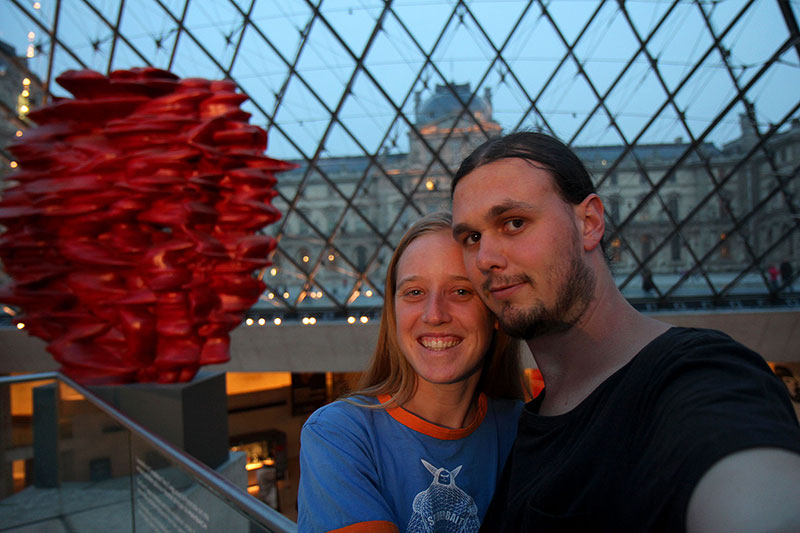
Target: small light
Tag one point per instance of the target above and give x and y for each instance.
(277, 321)
(312, 320)
(305, 259)
(31, 35)
(305, 320)
(351, 320)
(270, 295)
(286, 295)
(19, 133)
(20, 325)
(273, 271)
(723, 236)
(13, 164)
(26, 81)
(37, 5)
(23, 108)
(249, 321)
(364, 319)
(31, 51)
(368, 293)
(430, 185)
(604, 162)
(262, 321)
(26, 93)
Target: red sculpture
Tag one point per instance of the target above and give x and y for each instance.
(130, 232)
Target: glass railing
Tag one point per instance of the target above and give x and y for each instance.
(70, 462)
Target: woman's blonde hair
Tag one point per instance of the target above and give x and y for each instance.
(389, 371)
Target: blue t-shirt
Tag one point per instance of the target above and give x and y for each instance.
(388, 470)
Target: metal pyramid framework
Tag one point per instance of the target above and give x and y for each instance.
(686, 112)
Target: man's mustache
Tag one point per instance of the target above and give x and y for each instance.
(494, 282)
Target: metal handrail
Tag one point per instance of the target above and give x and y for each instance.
(259, 512)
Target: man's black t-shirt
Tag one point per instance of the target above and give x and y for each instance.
(629, 456)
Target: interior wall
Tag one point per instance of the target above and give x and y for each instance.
(340, 347)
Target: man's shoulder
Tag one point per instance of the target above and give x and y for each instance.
(679, 340)
(683, 334)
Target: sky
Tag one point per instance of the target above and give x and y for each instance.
(573, 67)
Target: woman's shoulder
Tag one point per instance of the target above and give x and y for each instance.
(505, 408)
(343, 412)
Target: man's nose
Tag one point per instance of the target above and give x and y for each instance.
(490, 255)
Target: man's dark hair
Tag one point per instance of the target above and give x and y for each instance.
(572, 180)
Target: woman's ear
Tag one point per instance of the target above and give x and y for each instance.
(592, 221)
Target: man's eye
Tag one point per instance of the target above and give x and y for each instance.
(463, 292)
(472, 238)
(514, 224)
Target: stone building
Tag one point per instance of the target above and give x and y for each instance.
(669, 206)
(19, 92)
(342, 230)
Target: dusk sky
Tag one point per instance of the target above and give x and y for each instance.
(532, 38)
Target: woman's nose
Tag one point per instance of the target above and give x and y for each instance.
(435, 311)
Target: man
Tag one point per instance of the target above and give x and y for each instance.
(641, 426)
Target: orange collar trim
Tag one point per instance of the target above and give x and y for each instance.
(420, 425)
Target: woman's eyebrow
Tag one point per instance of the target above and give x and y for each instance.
(407, 279)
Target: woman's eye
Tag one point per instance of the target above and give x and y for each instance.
(413, 292)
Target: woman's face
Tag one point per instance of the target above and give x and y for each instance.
(443, 328)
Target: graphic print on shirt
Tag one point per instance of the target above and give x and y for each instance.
(443, 507)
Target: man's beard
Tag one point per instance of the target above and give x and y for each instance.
(574, 294)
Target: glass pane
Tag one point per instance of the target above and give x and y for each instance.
(366, 98)
(69, 462)
(166, 498)
(28, 481)
(94, 462)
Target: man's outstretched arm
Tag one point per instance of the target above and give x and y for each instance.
(751, 490)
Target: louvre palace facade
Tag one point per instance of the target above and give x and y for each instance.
(689, 213)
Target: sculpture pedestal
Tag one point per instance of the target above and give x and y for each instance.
(193, 416)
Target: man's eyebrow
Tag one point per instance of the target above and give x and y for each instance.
(459, 229)
(496, 211)
(508, 205)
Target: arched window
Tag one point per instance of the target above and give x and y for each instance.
(647, 245)
(672, 205)
(361, 258)
(675, 247)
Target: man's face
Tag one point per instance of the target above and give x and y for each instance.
(522, 247)
(793, 386)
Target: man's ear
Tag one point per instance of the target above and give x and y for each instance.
(591, 220)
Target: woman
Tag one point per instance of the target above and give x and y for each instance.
(421, 445)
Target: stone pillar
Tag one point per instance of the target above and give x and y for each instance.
(193, 416)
